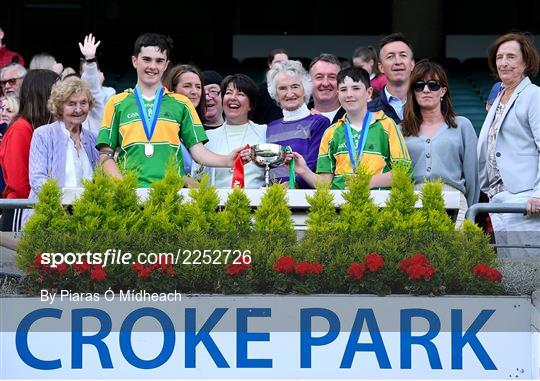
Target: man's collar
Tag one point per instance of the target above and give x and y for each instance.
(389, 96)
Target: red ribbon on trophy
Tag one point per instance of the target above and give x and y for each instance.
(238, 170)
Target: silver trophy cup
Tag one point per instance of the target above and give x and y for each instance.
(268, 156)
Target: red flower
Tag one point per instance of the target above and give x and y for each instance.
(61, 268)
(38, 262)
(98, 273)
(235, 269)
(137, 267)
(306, 268)
(374, 262)
(166, 268)
(488, 273)
(144, 273)
(316, 268)
(356, 270)
(303, 268)
(417, 272)
(45, 270)
(81, 267)
(165, 260)
(285, 265)
(416, 259)
(417, 267)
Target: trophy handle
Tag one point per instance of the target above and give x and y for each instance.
(266, 175)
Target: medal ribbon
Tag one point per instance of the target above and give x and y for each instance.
(361, 141)
(292, 175)
(149, 125)
(238, 171)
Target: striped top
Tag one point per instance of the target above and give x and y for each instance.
(384, 147)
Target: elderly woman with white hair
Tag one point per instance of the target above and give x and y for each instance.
(64, 150)
(290, 86)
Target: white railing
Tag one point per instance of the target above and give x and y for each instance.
(296, 198)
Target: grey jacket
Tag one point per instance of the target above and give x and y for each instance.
(518, 141)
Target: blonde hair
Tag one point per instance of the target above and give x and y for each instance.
(12, 102)
(67, 72)
(63, 90)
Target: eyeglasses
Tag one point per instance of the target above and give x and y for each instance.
(212, 93)
(11, 81)
(431, 84)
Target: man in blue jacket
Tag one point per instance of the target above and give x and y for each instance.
(396, 62)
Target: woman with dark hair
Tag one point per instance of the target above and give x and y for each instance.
(15, 146)
(188, 81)
(240, 96)
(441, 144)
(509, 143)
(367, 59)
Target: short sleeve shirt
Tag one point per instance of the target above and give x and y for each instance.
(384, 147)
(122, 128)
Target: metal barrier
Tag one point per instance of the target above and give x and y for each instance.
(16, 203)
(473, 211)
(9, 239)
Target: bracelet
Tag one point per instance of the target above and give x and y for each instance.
(91, 60)
(108, 153)
(106, 159)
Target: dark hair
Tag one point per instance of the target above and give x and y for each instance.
(412, 117)
(272, 53)
(528, 50)
(357, 74)
(367, 53)
(395, 37)
(325, 57)
(164, 43)
(244, 84)
(34, 95)
(172, 77)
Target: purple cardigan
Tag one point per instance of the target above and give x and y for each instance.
(304, 136)
(48, 154)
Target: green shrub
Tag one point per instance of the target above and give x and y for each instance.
(108, 216)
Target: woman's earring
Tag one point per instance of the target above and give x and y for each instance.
(441, 99)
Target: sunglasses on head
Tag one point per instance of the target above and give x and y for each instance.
(432, 85)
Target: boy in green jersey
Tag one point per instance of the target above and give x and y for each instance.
(149, 123)
(360, 137)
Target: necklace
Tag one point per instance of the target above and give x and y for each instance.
(225, 125)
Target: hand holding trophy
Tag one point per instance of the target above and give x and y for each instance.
(269, 155)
